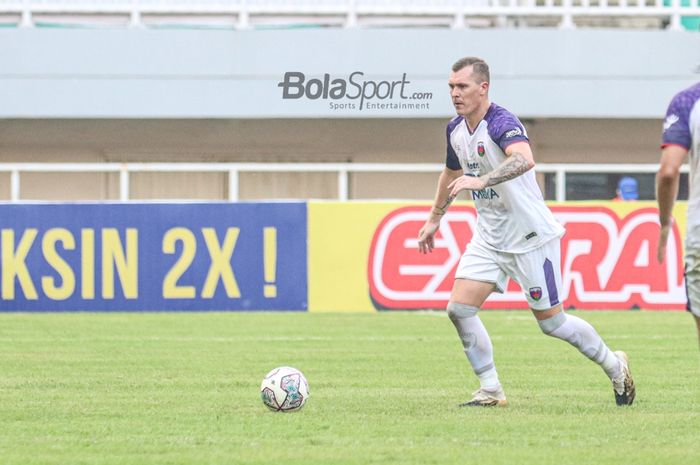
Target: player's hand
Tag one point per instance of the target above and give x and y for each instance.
(663, 240)
(464, 183)
(426, 237)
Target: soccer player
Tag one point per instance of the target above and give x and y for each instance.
(516, 235)
(681, 135)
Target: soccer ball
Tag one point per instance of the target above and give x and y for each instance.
(284, 389)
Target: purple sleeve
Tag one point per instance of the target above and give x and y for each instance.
(676, 125)
(505, 129)
(452, 161)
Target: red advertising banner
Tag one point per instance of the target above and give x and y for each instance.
(608, 262)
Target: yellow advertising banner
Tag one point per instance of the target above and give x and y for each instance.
(363, 257)
(340, 237)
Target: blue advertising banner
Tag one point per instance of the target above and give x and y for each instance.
(150, 257)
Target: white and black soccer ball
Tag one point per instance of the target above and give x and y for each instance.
(284, 389)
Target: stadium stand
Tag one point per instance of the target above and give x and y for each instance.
(240, 14)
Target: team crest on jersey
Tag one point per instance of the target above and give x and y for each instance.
(480, 149)
(536, 293)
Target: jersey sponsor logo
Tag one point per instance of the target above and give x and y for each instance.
(473, 167)
(608, 262)
(485, 194)
(480, 150)
(670, 121)
(536, 293)
(530, 235)
(513, 133)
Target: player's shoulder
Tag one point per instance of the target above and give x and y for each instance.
(686, 98)
(496, 114)
(676, 128)
(454, 123)
(501, 121)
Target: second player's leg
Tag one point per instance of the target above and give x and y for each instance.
(692, 284)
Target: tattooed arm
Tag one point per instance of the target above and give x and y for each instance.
(518, 160)
(426, 236)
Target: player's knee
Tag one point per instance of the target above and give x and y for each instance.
(551, 324)
(457, 311)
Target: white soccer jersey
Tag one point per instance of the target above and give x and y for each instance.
(512, 216)
(682, 127)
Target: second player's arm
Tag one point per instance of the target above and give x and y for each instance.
(518, 160)
(667, 180)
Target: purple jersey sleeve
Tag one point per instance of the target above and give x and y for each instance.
(504, 127)
(452, 161)
(677, 125)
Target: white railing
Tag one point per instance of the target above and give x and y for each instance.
(243, 14)
(343, 170)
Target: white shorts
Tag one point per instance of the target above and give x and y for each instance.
(692, 281)
(538, 272)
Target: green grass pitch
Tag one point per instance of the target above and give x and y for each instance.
(183, 388)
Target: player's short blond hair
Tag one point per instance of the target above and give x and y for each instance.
(480, 68)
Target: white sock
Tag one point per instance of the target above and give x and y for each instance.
(476, 342)
(580, 334)
(488, 380)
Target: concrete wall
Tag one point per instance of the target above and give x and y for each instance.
(138, 73)
(284, 140)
